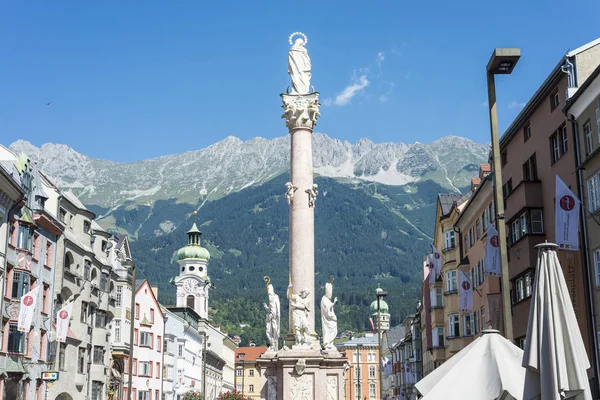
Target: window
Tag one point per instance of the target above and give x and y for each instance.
(478, 228)
(531, 221)
(117, 323)
(81, 360)
(492, 212)
(20, 284)
(239, 388)
(523, 287)
(251, 372)
(507, 188)
(180, 351)
(152, 315)
(587, 134)
(371, 371)
(137, 311)
(530, 169)
(482, 318)
(371, 356)
(87, 269)
(63, 215)
(119, 298)
(157, 370)
(450, 241)
(468, 325)
(143, 395)
(100, 319)
(451, 285)
(146, 339)
(372, 390)
(453, 326)
(593, 185)
(190, 301)
(158, 343)
(62, 355)
(97, 390)
(554, 101)
(98, 355)
(145, 368)
(436, 298)
(16, 340)
(476, 321)
(466, 242)
(103, 282)
(485, 219)
(504, 158)
(251, 388)
(357, 372)
(564, 139)
(472, 236)
(239, 372)
(24, 240)
(86, 226)
(527, 132)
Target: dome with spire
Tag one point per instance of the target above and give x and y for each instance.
(193, 250)
(383, 306)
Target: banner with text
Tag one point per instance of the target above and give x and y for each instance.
(492, 252)
(465, 293)
(28, 302)
(63, 317)
(566, 217)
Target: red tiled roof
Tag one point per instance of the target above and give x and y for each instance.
(486, 167)
(475, 181)
(250, 353)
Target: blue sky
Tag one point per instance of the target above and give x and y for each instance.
(130, 80)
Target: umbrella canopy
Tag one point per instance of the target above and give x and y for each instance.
(488, 368)
(554, 354)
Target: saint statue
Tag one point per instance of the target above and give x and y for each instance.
(328, 318)
(300, 307)
(299, 65)
(273, 316)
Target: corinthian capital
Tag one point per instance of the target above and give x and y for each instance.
(300, 111)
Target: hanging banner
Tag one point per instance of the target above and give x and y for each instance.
(437, 261)
(465, 293)
(566, 216)
(492, 252)
(63, 317)
(27, 309)
(430, 266)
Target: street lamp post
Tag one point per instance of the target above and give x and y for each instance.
(502, 62)
(380, 294)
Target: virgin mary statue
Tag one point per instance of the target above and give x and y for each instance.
(299, 67)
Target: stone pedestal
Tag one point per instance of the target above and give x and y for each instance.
(302, 374)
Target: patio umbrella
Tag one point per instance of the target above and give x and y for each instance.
(487, 369)
(554, 354)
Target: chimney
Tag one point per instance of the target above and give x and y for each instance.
(155, 291)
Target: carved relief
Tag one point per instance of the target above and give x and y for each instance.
(272, 388)
(300, 366)
(332, 387)
(302, 388)
(300, 111)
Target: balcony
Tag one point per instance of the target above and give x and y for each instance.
(447, 249)
(525, 194)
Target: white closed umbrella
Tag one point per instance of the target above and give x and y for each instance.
(554, 354)
(487, 369)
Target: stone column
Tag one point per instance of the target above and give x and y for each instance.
(301, 113)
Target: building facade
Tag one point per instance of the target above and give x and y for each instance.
(583, 112)
(362, 378)
(390, 339)
(247, 379)
(472, 224)
(149, 325)
(538, 146)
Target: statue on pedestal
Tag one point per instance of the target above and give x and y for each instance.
(299, 65)
(273, 316)
(328, 317)
(300, 308)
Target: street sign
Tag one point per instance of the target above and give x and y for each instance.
(50, 375)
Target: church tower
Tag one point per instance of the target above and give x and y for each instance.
(384, 312)
(193, 282)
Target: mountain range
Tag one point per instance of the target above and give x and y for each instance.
(374, 217)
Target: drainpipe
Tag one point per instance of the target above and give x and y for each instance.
(589, 293)
(131, 334)
(162, 361)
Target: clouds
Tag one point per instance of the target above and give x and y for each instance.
(361, 79)
(516, 104)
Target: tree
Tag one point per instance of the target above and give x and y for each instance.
(235, 395)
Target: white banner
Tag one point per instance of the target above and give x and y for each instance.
(63, 317)
(430, 265)
(492, 252)
(26, 311)
(465, 293)
(437, 261)
(408, 375)
(566, 217)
